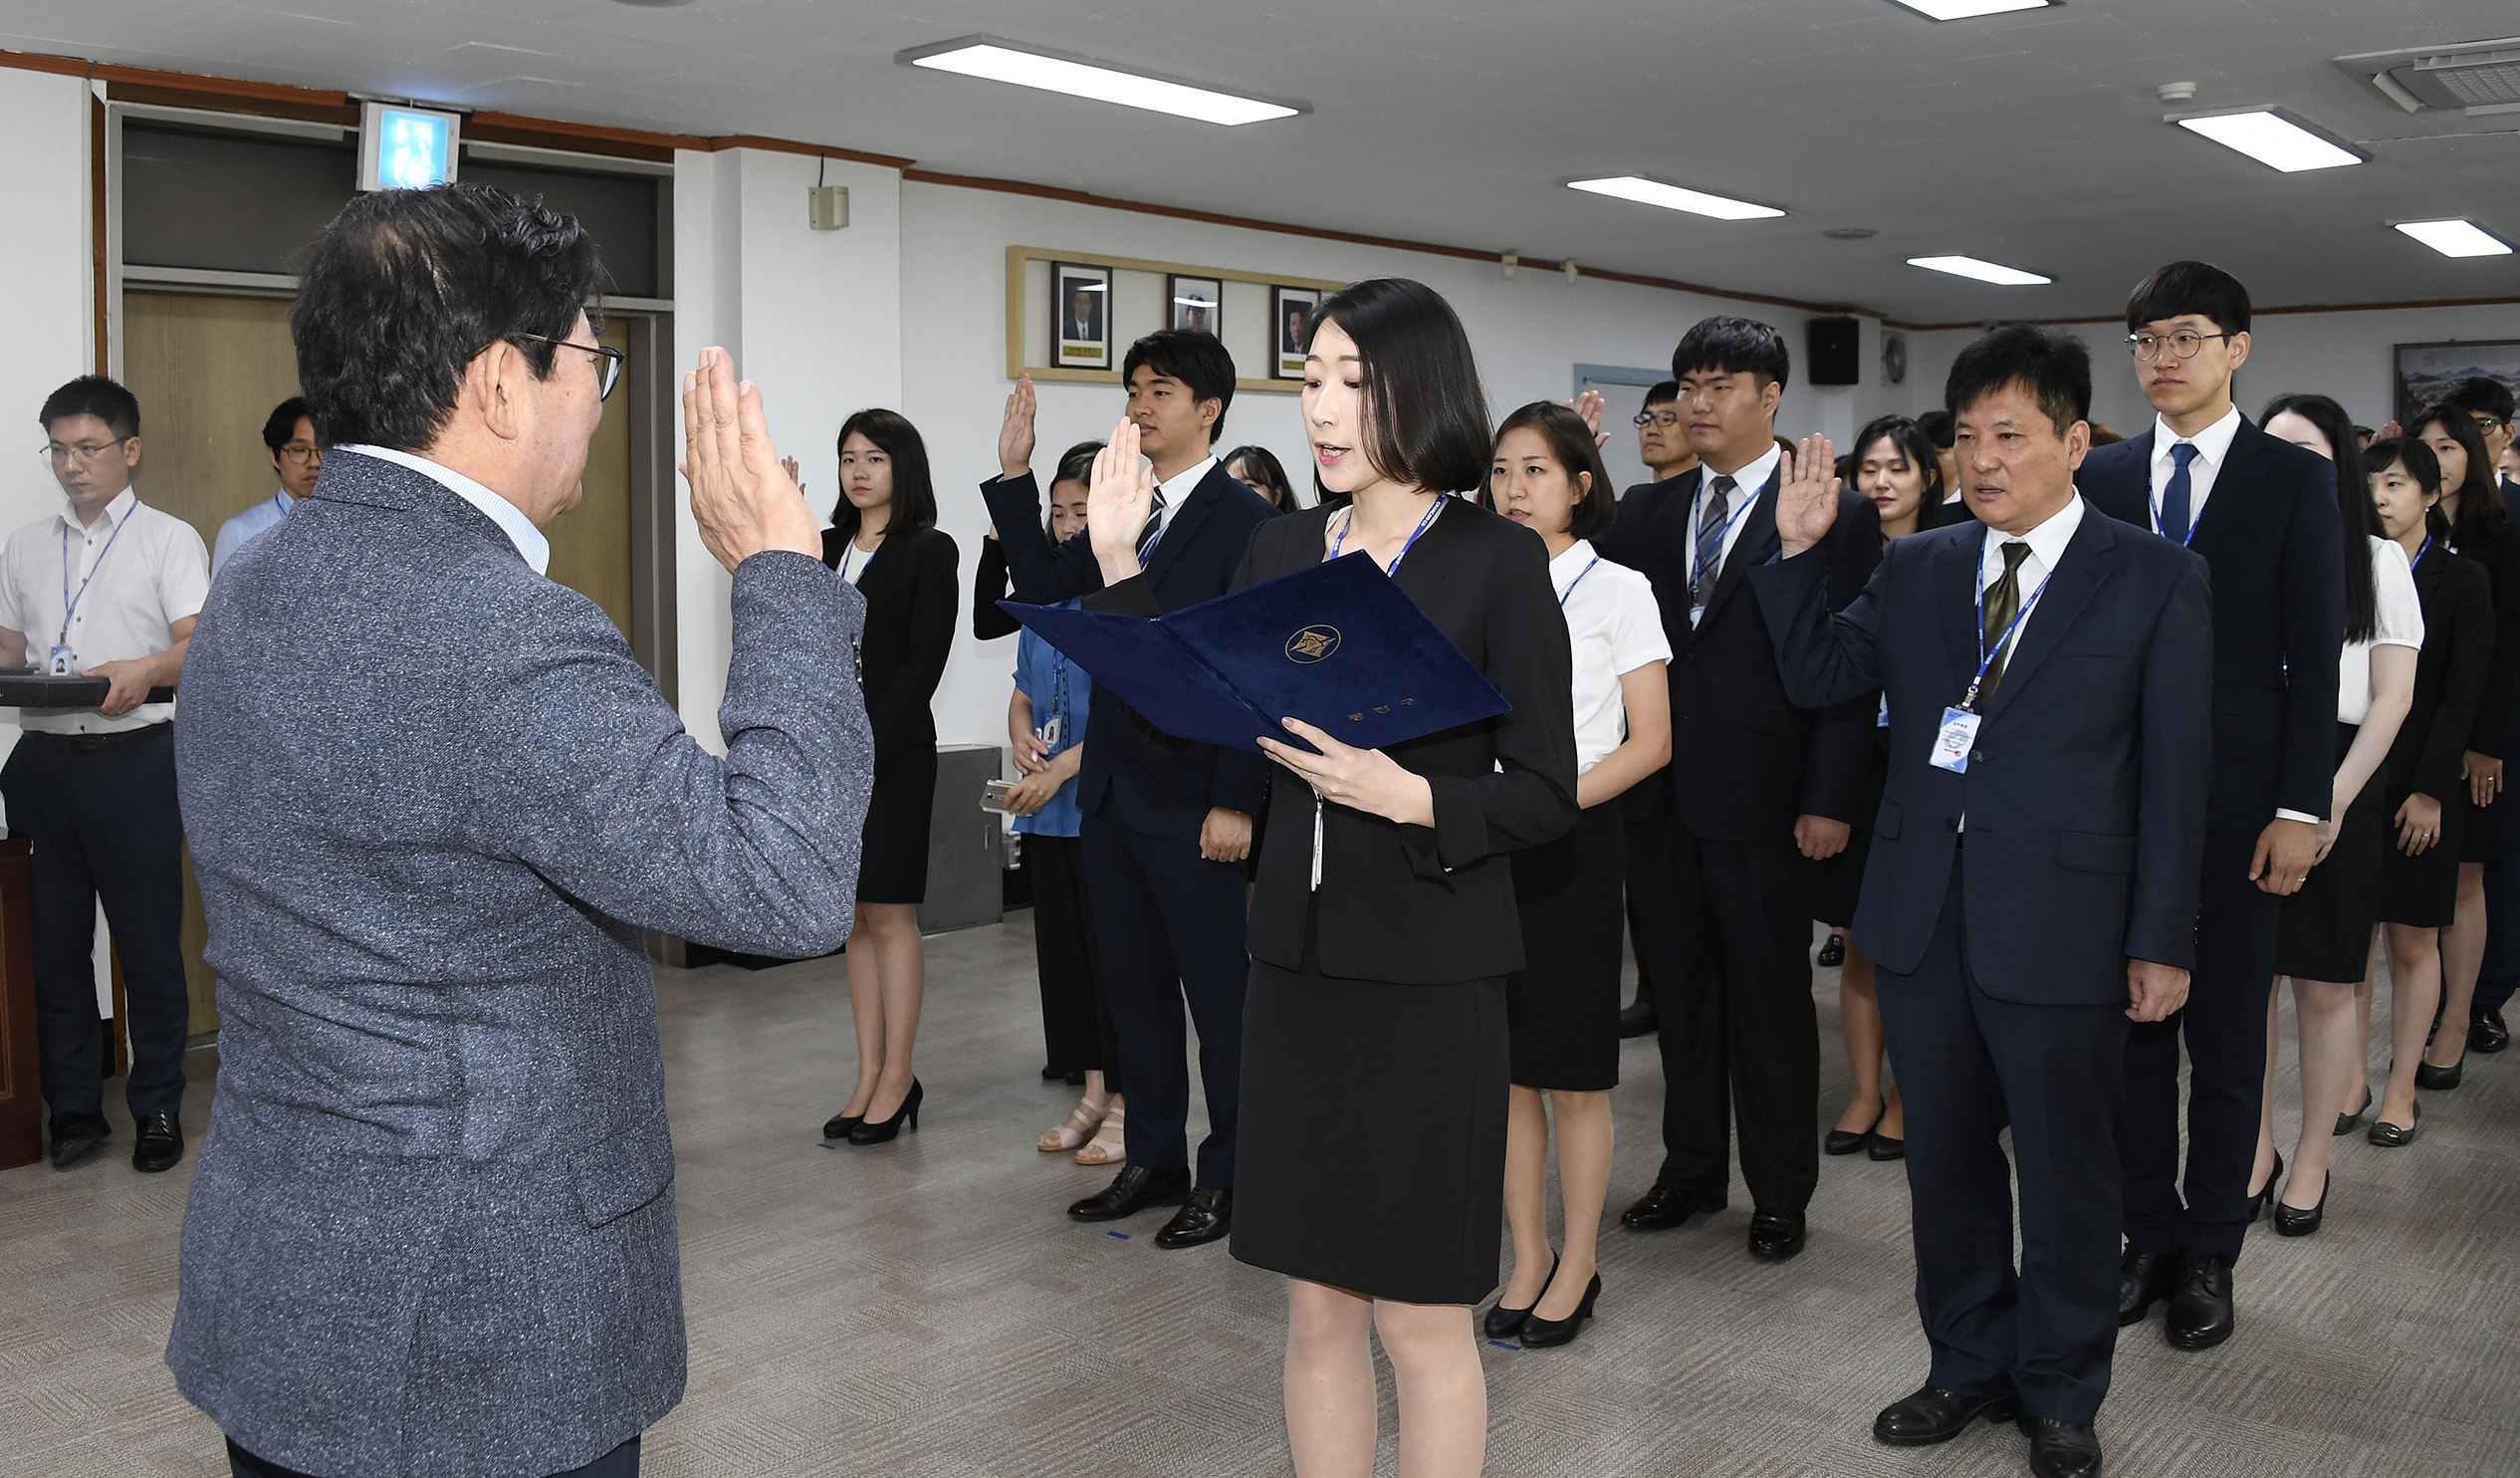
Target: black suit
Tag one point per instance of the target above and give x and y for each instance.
(2274, 541)
(988, 587)
(909, 583)
(1168, 923)
(1723, 892)
(2004, 963)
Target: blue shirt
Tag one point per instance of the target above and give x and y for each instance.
(1059, 688)
(249, 526)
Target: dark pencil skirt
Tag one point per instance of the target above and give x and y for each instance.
(1562, 1006)
(892, 863)
(1373, 1133)
(2323, 931)
(2421, 891)
(1075, 1019)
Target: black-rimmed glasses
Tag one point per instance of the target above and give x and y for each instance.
(1658, 417)
(612, 359)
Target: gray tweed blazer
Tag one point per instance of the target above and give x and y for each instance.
(433, 802)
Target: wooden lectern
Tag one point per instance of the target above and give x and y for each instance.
(21, 1094)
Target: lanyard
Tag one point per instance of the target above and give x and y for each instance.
(1578, 579)
(2193, 515)
(1433, 509)
(1698, 561)
(2421, 553)
(847, 550)
(70, 603)
(1969, 700)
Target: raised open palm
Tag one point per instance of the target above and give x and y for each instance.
(1117, 501)
(1807, 495)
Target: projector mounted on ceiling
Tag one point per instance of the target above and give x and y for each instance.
(2472, 77)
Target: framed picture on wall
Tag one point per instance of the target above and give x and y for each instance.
(1080, 316)
(1197, 303)
(2425, 371)
(1291, 324)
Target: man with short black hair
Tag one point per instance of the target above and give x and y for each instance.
(2265, 515)
(108, 587)
(1660, 441)
(1167, 824)
(2490, 403)
(289, 437)
(1757, 786)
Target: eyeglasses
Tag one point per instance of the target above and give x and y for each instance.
(299, 453)
(2183, 343)
(1658, 417)
(2485, 425)
(86, 452)
(612, 359)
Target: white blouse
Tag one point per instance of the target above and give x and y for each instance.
(1616, 628)
(2400, 624)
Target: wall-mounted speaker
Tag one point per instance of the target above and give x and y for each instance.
(1830, 348)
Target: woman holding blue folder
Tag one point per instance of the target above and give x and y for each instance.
(1383, 926)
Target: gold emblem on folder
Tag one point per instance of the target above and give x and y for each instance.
(1312, 644)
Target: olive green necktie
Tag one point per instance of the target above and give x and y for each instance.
(2003, 603)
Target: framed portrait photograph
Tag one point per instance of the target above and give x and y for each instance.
(1080, 316)
(1197, 303)
(1291, 325)
(2425, 371)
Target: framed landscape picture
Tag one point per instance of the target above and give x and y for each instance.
(1196, 303)
(1291, 325)
(1080, 316)
(2425, 371)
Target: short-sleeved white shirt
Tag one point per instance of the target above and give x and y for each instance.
(1616, 628)
(145, 571)
(2400, 624)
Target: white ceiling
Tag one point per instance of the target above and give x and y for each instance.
(2033, 139)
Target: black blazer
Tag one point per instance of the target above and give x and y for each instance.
(1152, 783)
(2459, 650)
(911, 588)
(1433, 905)
(2085, 795)
(2274, 539)
(1753, 757)
(988, 587)
(2498, 555)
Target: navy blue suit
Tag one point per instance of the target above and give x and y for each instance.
(2274, 540)
(1168, 923)
(2004, 963)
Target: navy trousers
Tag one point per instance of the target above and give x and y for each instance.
(104, 826)
(1964, 1062)
(1169, 925)
(620, 1462)
(2501, 969)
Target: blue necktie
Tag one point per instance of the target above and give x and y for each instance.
(1710, 525)
(2175, 520)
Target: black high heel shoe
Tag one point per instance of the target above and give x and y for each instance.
(2439, 1079)
(1847, 1141)
(876, 1132)
(1542, 1334)
(1503, 1322)
(2390, 1136)
(2347, 1124)
(2292, 1223)
(838, 1126)
(2265, 1196)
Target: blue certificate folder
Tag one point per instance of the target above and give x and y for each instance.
(1337, 645)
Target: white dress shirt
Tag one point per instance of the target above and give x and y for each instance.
(2213, 449)
(528, 540)
(249, 526)
(1615, 626)
(1749, 483)
(131, 575)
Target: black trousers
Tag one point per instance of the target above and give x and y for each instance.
(620, 1462)
(1169, 925)
(2223, 1027)
(1965, 1059)
(1648, 879)
(2501, 970)
(104, 826)
(1075, 1019)
(1728, 937)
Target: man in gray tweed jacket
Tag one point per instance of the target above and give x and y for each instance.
(433, 802)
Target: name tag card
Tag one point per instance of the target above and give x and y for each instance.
(1953, 741)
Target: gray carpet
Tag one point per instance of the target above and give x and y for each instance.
(923, 1307)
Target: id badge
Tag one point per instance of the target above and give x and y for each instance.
(61, 663)
(1049, 731)
(1952, 742)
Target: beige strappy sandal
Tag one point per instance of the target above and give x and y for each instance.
(1079, 1126)
(1111, 1145)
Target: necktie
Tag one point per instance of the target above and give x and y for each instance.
(1154, 529)
(1711, 522)
(2174, 493)
(2003, 603)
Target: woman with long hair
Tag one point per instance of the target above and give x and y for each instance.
(1258, 468)
(884, 540)
(1562, 1006)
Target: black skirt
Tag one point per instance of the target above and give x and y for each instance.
(2325, 930)
(1562, 1006)
(1409, 1083)
(2421, 891)
(892, 859)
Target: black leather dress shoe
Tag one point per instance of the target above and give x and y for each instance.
(1775, 1235)
(1934, 1415)
(2487, 1034)
(2061, 1449)
(1131, 1191)
(76, 1136)
(1206, 1217)
(160, 1142)
(1638, 1019)
(2144, 1279)
(2201, 1315)
(1667, 1206)
(2439, 1079)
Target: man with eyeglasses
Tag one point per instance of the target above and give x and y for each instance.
(2265, 515)
(289, 435)
(107, 587)
(1662, 442)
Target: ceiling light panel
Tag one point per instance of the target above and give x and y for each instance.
(2456, 238)
(1675, 198)
(1982, 271)
(2268, 137)
(1961, 10)
(1080, 77)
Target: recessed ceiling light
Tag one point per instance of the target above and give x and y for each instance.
(1080, 76)
(2456, 238)
(1994, 272)
(1672, 197)
(1961, 10)
(2273, 140)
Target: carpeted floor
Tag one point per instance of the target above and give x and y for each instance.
(923, 1307)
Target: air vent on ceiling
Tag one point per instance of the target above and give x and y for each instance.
(2475, 76)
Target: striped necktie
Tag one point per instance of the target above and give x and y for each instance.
(2175, 521)
(1711, 523)
(2003, 603)
(1154, 529)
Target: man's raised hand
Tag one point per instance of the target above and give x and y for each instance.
(1117, 502)
(1807, 495)
(743, 499)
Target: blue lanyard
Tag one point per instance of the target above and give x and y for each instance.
(2421, 553)
(1059, 688)
(70, 603)
(1697, 562)
(1432, 510)
(1969, 701)
(1578, 579)
(847, 550)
